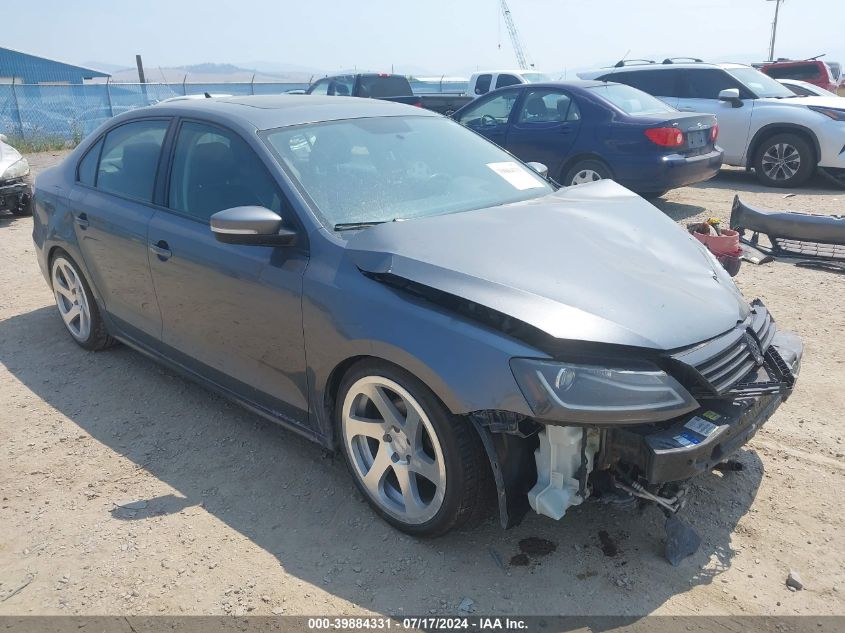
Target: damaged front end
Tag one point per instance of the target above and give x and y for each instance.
(685, 417)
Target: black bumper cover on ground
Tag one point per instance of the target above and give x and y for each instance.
(699, 441)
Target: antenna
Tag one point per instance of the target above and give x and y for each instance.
(618, 65)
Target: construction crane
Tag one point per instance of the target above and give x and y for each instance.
(519, 51)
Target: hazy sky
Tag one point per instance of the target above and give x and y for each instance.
(449, 36)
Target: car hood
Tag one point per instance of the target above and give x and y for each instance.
(819, 102)
(589, 263)
(8, 156)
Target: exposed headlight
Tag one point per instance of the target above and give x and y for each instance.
(834, 113)
(17, 169)
(599, 394)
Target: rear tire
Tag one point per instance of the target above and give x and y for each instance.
(422, 469)
(784, 160)
(76, 304)
(584, 171)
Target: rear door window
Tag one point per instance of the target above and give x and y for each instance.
(482, 84)
(215, 169)
(507, 80)
(379, 86)
(546, 105)
(660, 83)
(129, 159)
(803, 72)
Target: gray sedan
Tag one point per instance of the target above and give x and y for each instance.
(393, 286)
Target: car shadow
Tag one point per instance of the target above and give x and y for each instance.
(745, 181)
(678, 210)
(291, 499)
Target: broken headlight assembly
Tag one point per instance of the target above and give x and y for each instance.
(600, 394)
(16, 170)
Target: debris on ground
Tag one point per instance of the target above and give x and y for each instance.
(682, 540)
(608, 546)
(519, 560)
(467, 605)
(534, 546)
(793, 581)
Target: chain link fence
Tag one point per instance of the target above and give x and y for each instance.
(63, 114)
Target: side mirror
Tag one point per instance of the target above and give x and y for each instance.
(250, 225)
(540, 168)
(731, 95)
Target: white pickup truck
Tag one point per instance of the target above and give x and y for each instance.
(484, 81)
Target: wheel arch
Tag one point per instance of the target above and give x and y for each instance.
(572, 160)
(767, 131)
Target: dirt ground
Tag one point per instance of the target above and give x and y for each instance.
(232, 514)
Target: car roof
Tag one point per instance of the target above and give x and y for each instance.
(265, 112)
(500, 71)
(567, 83)
(659, 66)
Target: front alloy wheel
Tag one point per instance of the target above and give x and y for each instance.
(421, 468)
(394, 449)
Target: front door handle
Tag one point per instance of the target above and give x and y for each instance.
(161, 250)
(82, 221)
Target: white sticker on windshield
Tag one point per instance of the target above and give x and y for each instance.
(701, 426)
(516, 175)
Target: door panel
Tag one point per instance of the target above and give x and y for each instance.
(232, 313)
(545, 128)
(112, 209)
(699, 92)
(235, 309)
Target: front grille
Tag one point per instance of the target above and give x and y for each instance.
(723, 362)
(799, 248)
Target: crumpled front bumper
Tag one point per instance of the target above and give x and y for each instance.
(702, 439)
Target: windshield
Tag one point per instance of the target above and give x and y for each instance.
(534, 78)
(760, 84)
(380, 169)
(632, 101)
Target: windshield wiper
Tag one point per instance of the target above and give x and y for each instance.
(349, 226)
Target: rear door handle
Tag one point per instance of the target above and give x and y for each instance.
(687, 109)
(161, 250)
(82, 221)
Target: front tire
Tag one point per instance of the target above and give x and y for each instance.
(76, 305)
(422, 469)
(784, 160)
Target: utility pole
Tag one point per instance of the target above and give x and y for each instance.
(774, 29)
(140, 66)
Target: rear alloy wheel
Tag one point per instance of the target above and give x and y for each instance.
(586, 171)
(422, 469)
(784, 160)
(76, 304)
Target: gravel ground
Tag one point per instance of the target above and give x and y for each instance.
(232, 514)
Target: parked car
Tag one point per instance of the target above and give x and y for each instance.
(388, 87)
(805, 89)
(15, 189)
(483, 81)
(762, 124)
(393, 286)
(585, 131)
(812, 71)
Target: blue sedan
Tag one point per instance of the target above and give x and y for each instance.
(590, 130)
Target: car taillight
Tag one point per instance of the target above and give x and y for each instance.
(418, 104)
(714, 132)
(665, 136)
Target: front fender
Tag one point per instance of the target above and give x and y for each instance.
(348, 315)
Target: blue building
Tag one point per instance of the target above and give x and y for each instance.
(23, 68)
